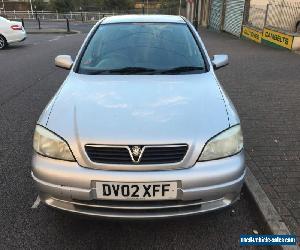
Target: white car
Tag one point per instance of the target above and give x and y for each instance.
(10, 32)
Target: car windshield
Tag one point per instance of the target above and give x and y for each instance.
(142, 48)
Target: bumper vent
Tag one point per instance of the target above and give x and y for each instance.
(125, 154)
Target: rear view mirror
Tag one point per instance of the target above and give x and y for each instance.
(64, 61)
(219, 61)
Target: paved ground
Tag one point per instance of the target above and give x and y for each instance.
(28, 79)
(263, 83)
(46, 25)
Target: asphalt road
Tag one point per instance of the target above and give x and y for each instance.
(28, 79)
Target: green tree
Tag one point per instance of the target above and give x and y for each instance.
(85, 5)
(39, 4)
(171, 6)
(88, 5)
(62, 5)
(117, 4)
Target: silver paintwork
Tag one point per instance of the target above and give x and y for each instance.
(209, 181)
(103, 110)
(132, 213)
(219, 61)
(64, 61)
(139, 110)
(143, 19)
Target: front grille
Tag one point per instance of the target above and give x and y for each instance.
(109, 155)
(162, 155)
(150, 154)
(132, 204)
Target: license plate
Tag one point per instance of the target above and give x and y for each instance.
(136, 191)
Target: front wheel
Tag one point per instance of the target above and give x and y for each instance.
(3, 42)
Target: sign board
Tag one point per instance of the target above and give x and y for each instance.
(252, 34)
(278, 38)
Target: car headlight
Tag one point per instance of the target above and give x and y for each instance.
(227, 143)
(50, 145)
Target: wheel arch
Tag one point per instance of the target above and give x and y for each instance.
(3, 37)
(5, 40)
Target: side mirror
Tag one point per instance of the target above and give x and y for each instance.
(64, 61)
(219, 61)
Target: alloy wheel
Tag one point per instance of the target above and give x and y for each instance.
(2, 42)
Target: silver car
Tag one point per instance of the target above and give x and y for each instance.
(141, 127)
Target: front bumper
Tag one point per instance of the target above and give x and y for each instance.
(205, 187)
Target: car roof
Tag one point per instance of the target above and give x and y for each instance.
(143, 19)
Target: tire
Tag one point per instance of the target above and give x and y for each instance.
(3, 42)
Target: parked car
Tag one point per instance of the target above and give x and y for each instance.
(141, 127)
(10, 32)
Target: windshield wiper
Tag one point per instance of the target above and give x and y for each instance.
(126, 70)
(183, 69)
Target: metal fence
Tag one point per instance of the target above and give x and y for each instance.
(48, 15)
(257, 17)
(283, 17)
